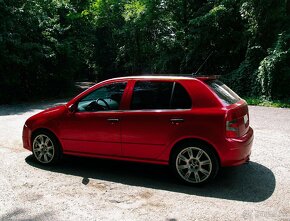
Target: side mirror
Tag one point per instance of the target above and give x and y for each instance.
(72, 108)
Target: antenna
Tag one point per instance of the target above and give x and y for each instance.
(203, 63)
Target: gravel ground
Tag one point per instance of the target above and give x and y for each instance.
(92, 189)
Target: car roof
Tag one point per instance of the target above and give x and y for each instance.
(166, 77)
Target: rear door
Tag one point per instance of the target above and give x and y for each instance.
(157, 110)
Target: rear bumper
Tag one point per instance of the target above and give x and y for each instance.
(238, 151)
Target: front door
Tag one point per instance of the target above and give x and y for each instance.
(95, 127)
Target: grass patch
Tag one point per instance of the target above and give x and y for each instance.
(267, 103)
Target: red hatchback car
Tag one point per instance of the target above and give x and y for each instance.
(194, 124)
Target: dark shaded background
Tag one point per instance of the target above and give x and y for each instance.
(45, 46)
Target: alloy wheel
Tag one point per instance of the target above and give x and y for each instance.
(43, 148)
(193, 165)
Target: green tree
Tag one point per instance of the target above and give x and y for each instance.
(46, 45)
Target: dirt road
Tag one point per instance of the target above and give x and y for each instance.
(91, 189)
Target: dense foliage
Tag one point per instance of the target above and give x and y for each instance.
(45, 45)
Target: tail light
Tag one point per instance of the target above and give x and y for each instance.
(235, 126)
(232, 128)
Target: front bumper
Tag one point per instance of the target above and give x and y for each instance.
(26, 135)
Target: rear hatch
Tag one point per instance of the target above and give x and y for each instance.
(237, 116)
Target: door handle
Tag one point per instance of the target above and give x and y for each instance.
(113, 120)
(176, 120)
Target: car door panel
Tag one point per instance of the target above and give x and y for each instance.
(94, 127)
(146, 134)
(142, 135)
(91, 133)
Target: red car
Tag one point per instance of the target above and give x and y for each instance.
(194, 124)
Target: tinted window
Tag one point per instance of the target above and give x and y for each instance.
(151, 95)
(159, 95)
(180, 98)
(105, 98)
(226, 95)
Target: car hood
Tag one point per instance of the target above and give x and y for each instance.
(53, 109)
(48, 114)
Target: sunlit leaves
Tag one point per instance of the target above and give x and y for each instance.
(133, 10)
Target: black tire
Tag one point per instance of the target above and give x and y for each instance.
(194, 163)
(46, 148)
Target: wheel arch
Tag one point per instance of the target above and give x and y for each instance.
(45, 130)
(197, 141)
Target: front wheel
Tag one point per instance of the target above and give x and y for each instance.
(194, 163)
(45, 148)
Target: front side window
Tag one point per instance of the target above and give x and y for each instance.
(104, 98)
(148, 95)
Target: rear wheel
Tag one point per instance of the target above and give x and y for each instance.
(45, 148)
(194, 163)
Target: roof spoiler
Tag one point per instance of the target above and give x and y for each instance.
(206, 76)
(193, 75)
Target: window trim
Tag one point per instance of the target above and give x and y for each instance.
(172, 93)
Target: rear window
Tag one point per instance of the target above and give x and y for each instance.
(226, 95)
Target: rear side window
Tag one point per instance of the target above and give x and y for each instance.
(180, 98)
(226, 95)
(159, 95)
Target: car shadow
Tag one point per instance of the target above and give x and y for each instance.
(251, 182)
